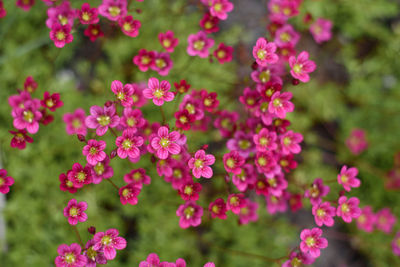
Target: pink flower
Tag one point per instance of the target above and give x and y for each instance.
(385, 220)
(108, 243)
(233, 162)
(396, 244)
(265, 140)
(102, 118)
(113, 9)
(190, 214)
(321, 30)
(280, 104)
(220, 8)
(52, 102)
(30, 85)
(348, 209)
(102, 170)
(190, 191)
(3, 11)
(137, 177)
(168, 41)
(290, 142)
(20, 138)
(357, 141)
(88, 15)
(93, 31)
(235, 202)
(154, 261)
(25, 4)
(94, 151)
(65, 184)
(61, 35)
(159, 92)
(209, 264)
(128, 144)
(162, 63)
(223, 53)
(144, 59)
(297, 259)
(5, 182)
(276, 204)
(312, 242)
(123, 92)
(246, 178)
(209, 23)
(164, 143)
(218, 209)
(264, 52)
(27, 117)
(367, 219)
(323, 214)
(199, 44)
(75, 122)
(61, 15)
(132, 119)
(200, 164)
(210, 100)
(79, 175)
(184, 119)
(248, 213)
(74, 211)
(316, 191)
(93, 257)
(129, 194)
(129, 26)
(301, 66)
(285, 36)
(70, 256)
(347, 178)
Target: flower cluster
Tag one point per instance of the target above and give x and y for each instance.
(154, 261)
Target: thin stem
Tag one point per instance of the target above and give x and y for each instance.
(78, 236)
(113, 132)
(163, 115)
(111, 182)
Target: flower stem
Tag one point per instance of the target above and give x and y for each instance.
(163, 115)
(111, 182)
(78, 236)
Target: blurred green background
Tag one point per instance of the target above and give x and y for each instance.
(355, 85)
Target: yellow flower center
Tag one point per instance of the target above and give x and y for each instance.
(103, 120)
(161, 63)
(137, 176)
(199, 45)
(230, 162)
(159, 93)
(287, 141)
(49, 103)
(244, 144)
(262, 161)
(63, 20)
(86, 16)
(198, 163)
(99, 168)
(164, 142)
(261, 53)
(69, 258)
(177, 173)
(320, 213)
(218, 7)
(297, 68)
(189, 211)
(221, 54)
(73, 212)
(127, 144)
(127, 27)
(285, 37)
(166, 43)
(114, 11)
(28, 116)
(215, 209)
(92, 150)
(126, 192)
(106, 240)
(188, 190)
(310, 241)
(265, 76)
(345, 208)
(81, 176)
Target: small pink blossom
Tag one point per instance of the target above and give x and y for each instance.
(264, 52)
(30, 84)
(290, 142)
(79, 176)
(235, 202)
(113, 9)
(52, 102)
(137, 177)
(248, 213)
(159, 92)
(200, 164)
(129, 26)
(88, 15)
(312, 242)
(199, 44)
(20, 138)
(323, 214)
(162, 63)
(265, 140)
(385, 220)
(190, 191)
(220, 8)
(93, 257)
(5, 182)
(347, 178)
(286, 35)
(108, 243)
(321, 30)
(132, 119)
(296, 259)
(61, 35)
(190, 214)
(27, 117)
(357, 141)
(280, 104)
(223, 53)
(75, 122)
(128, 144)
(129, 194)
(93, 31)
(348, 208)
(367, 219)
(164, 143)
(233, 161)
(75, 212)
(168, 41)
(123, 92)
(25, 4)
(396, 244)
(316, 191)
(70, 256)
(102, 118)
(94, 151)
(209, 23)
(144, 59)
(101, 170)
(301, 67)
(218, 209)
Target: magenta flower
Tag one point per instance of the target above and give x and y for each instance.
(168, 41)
(93, 257)
(132, 119)
(88, 15)
(61, 35)
(128, 144)
(30, 84)
(233, 162)
(61, 15)
(154, 261)
(70, 256)
(162, 63)
(129, 26)
(129, 194)
(113, 9)
(52, 102)
(264, 52)
(65, 184)
(286, 36)
(209, 23)
(5, 182)
(385, 220)
(235, 202)
(19, 139)
(25, 4)
(199, 44)
(209, 264)
(108, 243)
(396, 244)
(102, 170)
(102, 118)
(27, 117)
(246, 178)
(290, 142)
(164, 143)
(357, 141)
(75, 122)
(248, 213)
(218, 209)
(321, 30)
(323, 214)
(301, 67)
(93, 31)
(265, 140)
(94, 151)
(348, 209)
(74, 211)
(317, 191)
(190, 214)
(280, 104)
(159, 92)
(144, 59)
(123, 92)
(347, 178)
(190, 190)
(312, 241)
(79, 175)
(297, 259)
(200, 164)
(276, 204)
(220, 8)
(367, 219)
(3, 11)
(137, 177)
